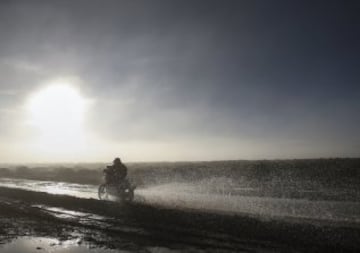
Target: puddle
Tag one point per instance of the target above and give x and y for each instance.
(64, 213)
(50, 245)
(58, 188)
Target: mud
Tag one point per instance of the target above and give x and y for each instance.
(140, 227)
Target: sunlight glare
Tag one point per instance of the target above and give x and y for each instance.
(57, 114)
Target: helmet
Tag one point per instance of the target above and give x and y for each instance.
(117, 160)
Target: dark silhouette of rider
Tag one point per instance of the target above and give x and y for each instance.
(117, 172)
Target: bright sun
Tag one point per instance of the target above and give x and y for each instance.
(57, 115)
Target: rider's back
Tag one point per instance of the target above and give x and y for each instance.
(120, 171)
(115, 173)
(109, 175)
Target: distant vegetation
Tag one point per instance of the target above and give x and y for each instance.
(268, 177)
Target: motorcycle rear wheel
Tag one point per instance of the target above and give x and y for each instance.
(129, 196)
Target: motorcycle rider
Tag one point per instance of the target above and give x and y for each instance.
(115, 173)
(120, 170)
(116, 183)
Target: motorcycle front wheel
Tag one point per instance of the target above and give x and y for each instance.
(102, 192)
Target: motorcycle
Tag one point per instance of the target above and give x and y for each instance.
(123, 191)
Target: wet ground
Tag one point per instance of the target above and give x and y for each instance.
(44, 244)
(60, 216)
(183, 196)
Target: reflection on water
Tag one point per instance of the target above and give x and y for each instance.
(43, 244)
(50, 245)
(77, 190)
(64, 213)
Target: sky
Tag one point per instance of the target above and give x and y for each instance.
(159, 80)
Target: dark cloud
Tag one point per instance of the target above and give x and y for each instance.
(169, 70)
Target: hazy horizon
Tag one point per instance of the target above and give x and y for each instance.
(83, 81)
(80, 163)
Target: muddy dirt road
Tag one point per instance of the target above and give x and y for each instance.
(70, 215)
